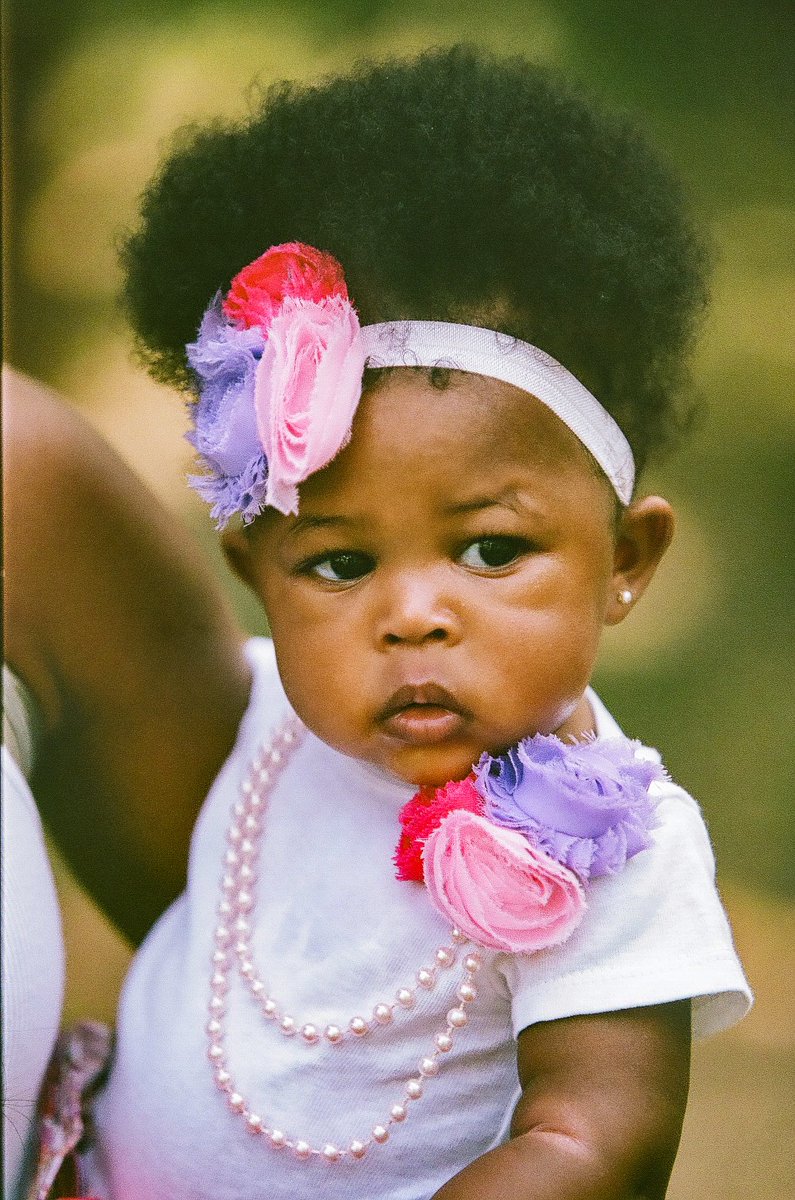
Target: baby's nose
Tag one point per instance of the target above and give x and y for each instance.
(416, 613)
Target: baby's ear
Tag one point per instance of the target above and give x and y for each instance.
(644, 534)
(237, 552)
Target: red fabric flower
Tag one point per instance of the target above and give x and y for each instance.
(291, 269)
(424, 813)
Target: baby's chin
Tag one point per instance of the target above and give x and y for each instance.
(423, 768)
(435, 766)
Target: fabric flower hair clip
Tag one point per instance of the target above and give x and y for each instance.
(279, 362)
(508, 853)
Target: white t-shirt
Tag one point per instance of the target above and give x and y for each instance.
(335, 934)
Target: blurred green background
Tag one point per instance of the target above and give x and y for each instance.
(704, 667)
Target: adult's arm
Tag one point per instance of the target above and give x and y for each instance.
(128, 647)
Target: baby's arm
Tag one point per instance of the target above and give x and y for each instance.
(603, 1099)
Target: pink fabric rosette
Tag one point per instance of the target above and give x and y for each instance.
(279, 367)
(307, 387)
(500, 890)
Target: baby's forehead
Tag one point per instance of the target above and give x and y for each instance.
(451, 437)
(467, 416)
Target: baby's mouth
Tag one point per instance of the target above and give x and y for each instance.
(422, 714)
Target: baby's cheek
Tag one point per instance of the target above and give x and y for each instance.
(330, 709)
(544, 692)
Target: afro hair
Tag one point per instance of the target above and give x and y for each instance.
(453, 186)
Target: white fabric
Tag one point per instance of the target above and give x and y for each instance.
(499, 356)
(33, 966)
(19, 721)
(335, 933)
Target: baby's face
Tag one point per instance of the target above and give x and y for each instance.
(443, 590)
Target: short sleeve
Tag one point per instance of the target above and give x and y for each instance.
(654, 933)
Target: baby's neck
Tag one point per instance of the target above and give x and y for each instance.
(580, 722)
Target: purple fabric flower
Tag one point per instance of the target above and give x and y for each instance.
(586, 804)
(225, 433)
(230, 494)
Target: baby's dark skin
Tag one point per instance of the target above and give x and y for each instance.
(603, 1099)
(98, 583)
(464, 538)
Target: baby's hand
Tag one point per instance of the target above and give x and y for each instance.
(603, 1099)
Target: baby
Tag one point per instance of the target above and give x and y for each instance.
(445, 928)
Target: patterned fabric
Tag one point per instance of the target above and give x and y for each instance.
(77, 1067)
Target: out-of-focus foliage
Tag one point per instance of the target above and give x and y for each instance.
(704, 666)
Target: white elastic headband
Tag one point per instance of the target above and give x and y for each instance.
(499, 356)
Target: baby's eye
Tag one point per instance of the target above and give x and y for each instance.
(491, 553)
(341, 566)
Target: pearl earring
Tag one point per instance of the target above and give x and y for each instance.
(625, 596)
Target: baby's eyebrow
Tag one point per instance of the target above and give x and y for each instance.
(308, 522)
(505, 499)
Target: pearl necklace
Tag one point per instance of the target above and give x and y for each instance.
(232, 937)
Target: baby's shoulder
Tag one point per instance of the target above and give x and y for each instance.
(261, 656)
(680, 826)
(677, 814)
(267, 703)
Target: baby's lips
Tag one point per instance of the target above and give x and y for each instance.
(415, 695)
(423, 724)
(422, 714)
